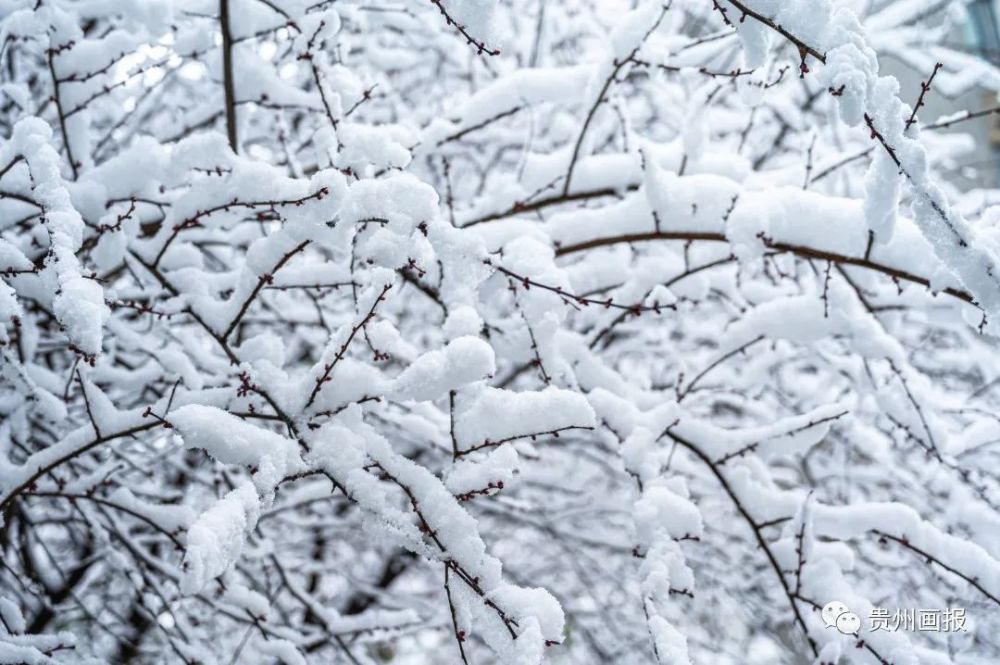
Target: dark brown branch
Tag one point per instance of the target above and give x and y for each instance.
(485, 123)
(493, 444)
(973, 581)
(329, 367)
(262, 281)
(23, 198)
(925, 87)
(521, 207)
(49, 466)
(616, 67)
(194, 221)
(57, 98)
(471, 581)
(760, 18)
(754, 526)
(11, 164)
(113, 505)
(749, 448)
(480, 45)
(572, 298)
(945, 123)
(228, 78)
(618, 320)
(704, 71)
(459, 634)
(877, 135)
(798, 250)
(682, 393)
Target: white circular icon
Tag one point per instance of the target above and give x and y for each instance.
(848, 623)
(831, 611)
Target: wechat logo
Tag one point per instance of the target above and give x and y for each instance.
(836, 615)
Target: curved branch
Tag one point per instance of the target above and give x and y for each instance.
(754, 526)
(798, 250)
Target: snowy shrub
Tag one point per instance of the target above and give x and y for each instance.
(466, 331)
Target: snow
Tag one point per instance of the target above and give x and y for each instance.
(371, 149)
(231, 440)
(78, 301)
(12, 617)
(604, 348)
(495, 415)
(283, 650)
(462, 321)
(454, 532)
(661, 508)
(475, 16)
(671, 646)
(902, 522)
(537, 604)
(505, 95)
(168, 517)
(631, 31)
(465, 360)
(247, 599)
(401, 199)
(217, 537)
(498, 469)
